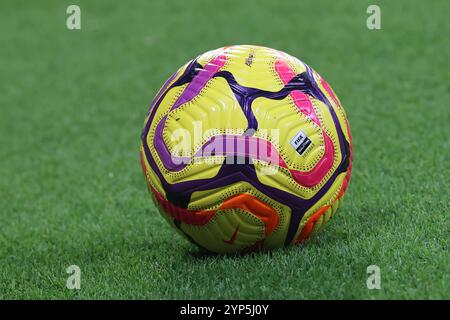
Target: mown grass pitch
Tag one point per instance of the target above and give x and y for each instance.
(72, 107)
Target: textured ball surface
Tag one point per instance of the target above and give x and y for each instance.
(246, 148)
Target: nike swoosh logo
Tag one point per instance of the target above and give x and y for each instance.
(233, 236)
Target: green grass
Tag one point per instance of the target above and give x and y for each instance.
(72, 107)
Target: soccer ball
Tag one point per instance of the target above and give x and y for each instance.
(246, 148)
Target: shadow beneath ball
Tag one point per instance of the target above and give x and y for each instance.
(202, 254)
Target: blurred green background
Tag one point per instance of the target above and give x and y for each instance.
(72, 105)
